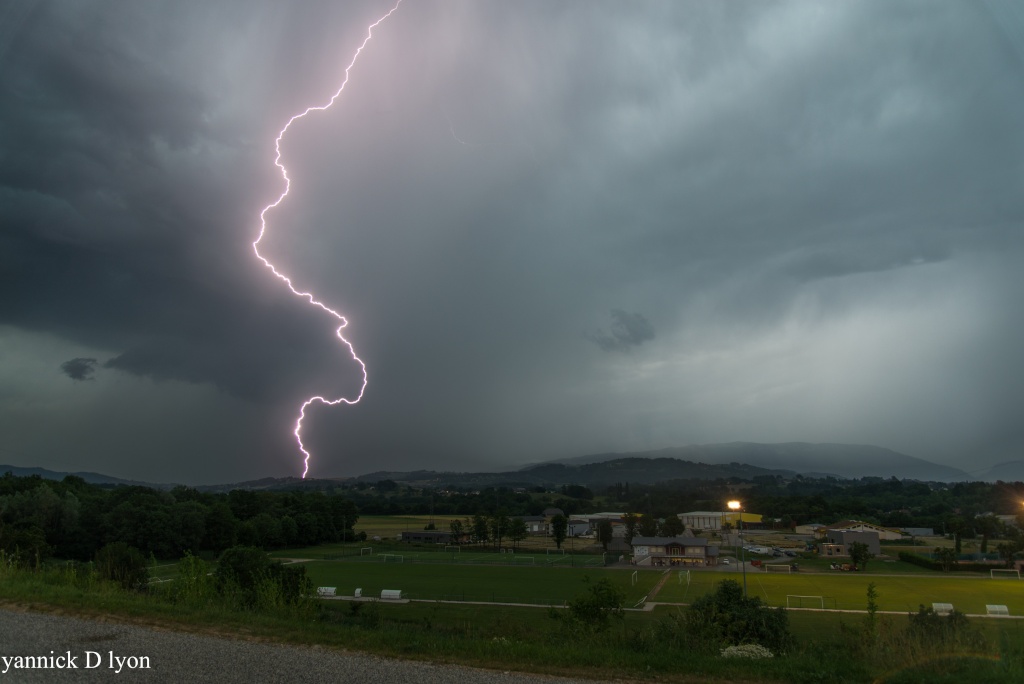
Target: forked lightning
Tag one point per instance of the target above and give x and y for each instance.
(309, 295)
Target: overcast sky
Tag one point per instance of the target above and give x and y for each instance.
(555, 228)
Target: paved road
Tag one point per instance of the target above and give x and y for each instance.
(177, 657)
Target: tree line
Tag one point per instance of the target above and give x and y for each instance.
(72, 519)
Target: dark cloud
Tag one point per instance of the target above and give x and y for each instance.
(627, 330)
(816, 203)
(79, 369)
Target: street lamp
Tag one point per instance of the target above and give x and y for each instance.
(738, 506)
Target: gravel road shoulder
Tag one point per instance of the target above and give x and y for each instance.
(111, 649)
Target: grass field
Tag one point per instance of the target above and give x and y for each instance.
(504, 584)
(552, 585)
(849, 590)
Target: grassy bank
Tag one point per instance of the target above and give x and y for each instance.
(829, 647)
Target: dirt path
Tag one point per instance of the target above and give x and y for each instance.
(657, 587)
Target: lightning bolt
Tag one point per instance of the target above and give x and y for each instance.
(342, 321)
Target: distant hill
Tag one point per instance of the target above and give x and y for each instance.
(743, 460)
(1011, 471)
(91, 478)
(629, 469)
(841, 460)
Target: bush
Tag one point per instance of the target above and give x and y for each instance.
(946, 631)
(123, 564)
(193, 583)
(924, 562)
(255, 580)
(593, 610)
(728, 618)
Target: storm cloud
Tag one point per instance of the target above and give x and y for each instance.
(816, 205)
(627, 330)
(79, 369)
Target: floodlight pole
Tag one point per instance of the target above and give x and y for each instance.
(743, 555)
(738, 506)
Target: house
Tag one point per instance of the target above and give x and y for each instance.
(686, 551)
(707, 520)
(712, 520)
(837, 542)
(884, 533)
(578, 527)
(537, 524)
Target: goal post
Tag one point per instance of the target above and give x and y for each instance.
(392, 558)
(366, 551)
(633, 578)
(778, 567)
(1004, 573)
(555, 551)
(805, 601)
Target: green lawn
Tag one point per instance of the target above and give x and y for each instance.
(849, 590)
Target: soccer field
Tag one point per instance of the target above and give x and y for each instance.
(849, 590)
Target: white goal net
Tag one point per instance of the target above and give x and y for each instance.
(797, 601)
(1004, 574)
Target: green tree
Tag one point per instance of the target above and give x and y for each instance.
(946, 557)
(221, 528)
(517, 531)
(499, 524)
(647, 526)
(455, 527)
(672, 527)
(987, 526)
(871, 623)
(860, 555)
(481, 530)
(604, 533)
(559, 527)
(1007, 551)
(958, 527)
(631, 521)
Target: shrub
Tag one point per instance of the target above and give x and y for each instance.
(593, 610)
(123, 564)
(255, 580)
(730, 618)
(945, 631)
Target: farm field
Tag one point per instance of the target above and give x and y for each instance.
(390, 526)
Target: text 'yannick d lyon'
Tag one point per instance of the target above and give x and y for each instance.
(87, 660)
